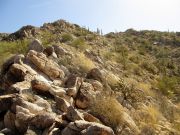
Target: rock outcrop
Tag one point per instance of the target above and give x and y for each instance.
(40, 98)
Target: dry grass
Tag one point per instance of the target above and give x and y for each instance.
(146, 88)
(148, 115)
(112, 114)
(112, 79)
(84, 63)
(108, 110)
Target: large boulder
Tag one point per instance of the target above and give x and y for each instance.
(62, 104)
(98, 129)
(57, 91)
(43, 120)
(95, 74)
(43, 87)
(23, 116)
(96, 84)
(36, 45)
(33, 108)
(86, 128)
(19, 87)
(59, 50)
(84, 95)
(43, 103)
(48, 66)
(90, 118)
(73, 84)
(40, 86)
(73, 114)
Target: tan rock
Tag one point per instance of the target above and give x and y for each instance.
(59, 50)
(33, 108)
(98, 129)
(90, 118)
(57, 91)
(84, 95)
(20, 87)
(48, 66)
(96, 84)
(86, 128)
(43, 120)
(61, 104)
(23, 116)
(42, 103)
(40, 86)
(73, 114)
(36, 45)
(73, 84)
(95, 74)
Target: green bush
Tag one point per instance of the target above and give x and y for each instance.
(135, 59)
(7, 49)
(167, 85)
(149, 67)
(66, 37)
(79, 43)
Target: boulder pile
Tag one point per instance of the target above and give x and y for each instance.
(40, 97)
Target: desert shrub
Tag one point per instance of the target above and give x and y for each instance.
(48, 37)
(66, 37)
(108, 55)
(147, 117)
(123, 55)
(79, 43)
(168, 85)
(137, 71)
(65, 61)
(135, 59)
(130, 93)
(149, 67)
(151, 114)
(145, 47)
(7, 49)
(108, 110)
(84, 63)
(91, 37)
(146, 88)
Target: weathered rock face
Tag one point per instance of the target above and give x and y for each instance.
(60, 51)
(84, 95)
(45, 96)
(43, 120)
(73, 84)
(46, 65)
(73, 114)
(86, 128)
(95, 74)
(36, 45)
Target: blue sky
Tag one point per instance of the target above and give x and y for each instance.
(108, 15)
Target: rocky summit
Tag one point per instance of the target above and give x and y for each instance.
(62, 79)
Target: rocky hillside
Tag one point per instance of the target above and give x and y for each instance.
(66, 80)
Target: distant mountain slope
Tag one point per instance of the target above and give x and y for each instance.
(135, 75)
